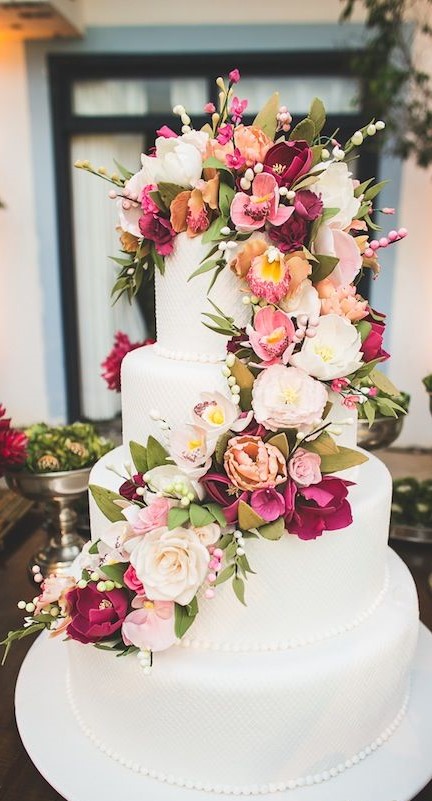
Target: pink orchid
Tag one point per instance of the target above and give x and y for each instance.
(237, 109)
(271, 335)
(234, 75)
(151, 627)
(209, 108)
(235, 161)
(251, 212)
(225, 134)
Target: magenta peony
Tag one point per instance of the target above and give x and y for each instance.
(158, 230)
(132, 581)
(268, 503)
(309, 511)
(95, 615)
(111, 366)
(286, 161)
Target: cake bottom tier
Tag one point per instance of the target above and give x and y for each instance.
(256, 722)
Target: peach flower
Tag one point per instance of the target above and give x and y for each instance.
(342, 301)
(250, 250)
(218, 151)
(190, 210)
(252, 464)
(252, 143)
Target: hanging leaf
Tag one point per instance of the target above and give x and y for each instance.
(177, 516)
(317, 114)
(266, 118)
(383, 383)
(373, 191)
(317, 154)
(280, 441)
(169, 191)
(360, 190)
(273, 531)
(105, 498)
(156, 453)
(244, 565)
(342, 460)
(226, 573)
(304, 130)
(213, 233)
(226, 195)
(369, 410)
(305, 181)
(239, 589)
(328, 214)
(159, 260)
(184, 616)
(324, 445)
(325, 267)
(247, 517)
(115, 572)
(245, 379)
(124, 172)
(139, 456)
(213, 162)
(199, 516)
(363, 371)
(204, 268)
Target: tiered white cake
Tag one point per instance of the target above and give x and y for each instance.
(306, 680)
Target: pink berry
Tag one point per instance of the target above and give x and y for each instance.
(383, 242)
(213, 564)
(392, 235)
(211, 577)
(218, 552)
(402, 232)
(374, 244)
(112, 194)
(209, 594)
(211, 548)
(369, 253)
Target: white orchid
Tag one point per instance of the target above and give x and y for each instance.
(334, 352)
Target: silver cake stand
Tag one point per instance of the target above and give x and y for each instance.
(76, 768)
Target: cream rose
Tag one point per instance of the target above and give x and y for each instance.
(171, 565)
(208, 534)
(335, 186)
(334, 352)
(285, 397)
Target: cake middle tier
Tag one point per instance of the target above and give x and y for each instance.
(303, 591)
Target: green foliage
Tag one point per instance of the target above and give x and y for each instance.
(156, 453)
(184, 616)
(139, 456)
(104, 498)
(115, 572)
(56, 448)
(266, 118)
(412, 502)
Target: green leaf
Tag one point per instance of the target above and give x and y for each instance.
(225, 541)
(373, 191)
(226, 194)
(305, 181)
(155, 196)
(105, 498)
(199, 516)
(225, 574)
(244, 565)
(324, 445)
(169, 191)
(247, 517)
(184, 616)
(216, 274)
(328, 214)
(304, 130)
(94, 548)
(139, 456)
(364, 328)
(266, 118)
(360, 190)
(156, 453)
(273, 531)
(221, 446)
(217, 513)
(159, 260)
(116, 571)
(177, 516)
(204, 268)
(239, 588)
(317, 114)
(363, 371)
(124, 172)
(383, 383)
(316, 154)
(245, 379)
(326, 265)
(280, 441)
(342, 460)
(213, 233)
(214, 163)
(369, 410)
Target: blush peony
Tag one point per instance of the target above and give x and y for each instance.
(151, 627)
(286, 397)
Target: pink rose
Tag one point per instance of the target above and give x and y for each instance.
(95, 615)
(271, 334)
(253, 464)
(372, 346)
(158, 230)
(268, 503)
(151, 627)
(286, 161)
(304, 468)
(152, 516)
(132, 581)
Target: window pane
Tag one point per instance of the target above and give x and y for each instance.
(135, 96)
(336, 92)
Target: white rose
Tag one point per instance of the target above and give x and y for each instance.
(172, 565)
(336, 188)
(304, 301)
(285, 397)
(334, 352)
(178, 160)
(331, 241)
(208, 534)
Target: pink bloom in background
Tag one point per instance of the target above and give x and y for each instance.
(271, 334)
(252, 464)
(338, 384)
(150, 517)
(304, 468)
(351, 401)
(151, 627)
(287, 161)
(253, 143)
(308, 205)
(268, 503)
(341, 300)
(13, 444)
(291, 235)
(158, 230)
(209, 108)
(223, 491)
(132, 581)
(95, 615)
(237, 109)
(251, 212)
(111, 366)
(372, 346)
(166, 132)
(317, 508)
(225, 134)
(234, 76)
(147, 203)
(235, 161)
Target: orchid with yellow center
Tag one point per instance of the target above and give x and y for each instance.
(191, 210)
(269, 277)
(216, 414)
(251, 212)
(191, 450)
(334, 352)
(271, 336)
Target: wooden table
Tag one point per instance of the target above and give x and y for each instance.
(19, 779)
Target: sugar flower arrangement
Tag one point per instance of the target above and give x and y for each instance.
(279, 208)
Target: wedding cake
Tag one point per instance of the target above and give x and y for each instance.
(239, 559)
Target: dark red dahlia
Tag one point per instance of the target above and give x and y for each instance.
(111, 366)
(13, 444)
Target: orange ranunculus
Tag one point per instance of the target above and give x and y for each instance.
(252, 464)
(252, 143)
(250, 250)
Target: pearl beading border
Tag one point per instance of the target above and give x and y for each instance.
(288, 645)
(228, 789)
(187, 356)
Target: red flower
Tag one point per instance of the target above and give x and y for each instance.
(309, 511)
(286, 161)
(221, 490)
(112, 364)
(308, 205)
(291, 235)
(129, 488)
(372, 346)
(158, 230)
(13, 444)
(95, 615)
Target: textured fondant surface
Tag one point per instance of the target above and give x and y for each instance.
(302, 589)
(235, 721)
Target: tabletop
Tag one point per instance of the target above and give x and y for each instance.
(19, 779)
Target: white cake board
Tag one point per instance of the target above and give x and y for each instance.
(76, 768)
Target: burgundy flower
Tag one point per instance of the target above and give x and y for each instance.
(158, 230)
(253, 428)
(95, 615)
(221, 490)
(112, 364)
(268, 503)
(291, 235)
(129, 488)
(317, 508)
(372, 346)
(288, 160)
(235, 342)
(13, 444)
(308, 205)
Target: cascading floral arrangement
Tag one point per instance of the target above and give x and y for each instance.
(278, 207)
